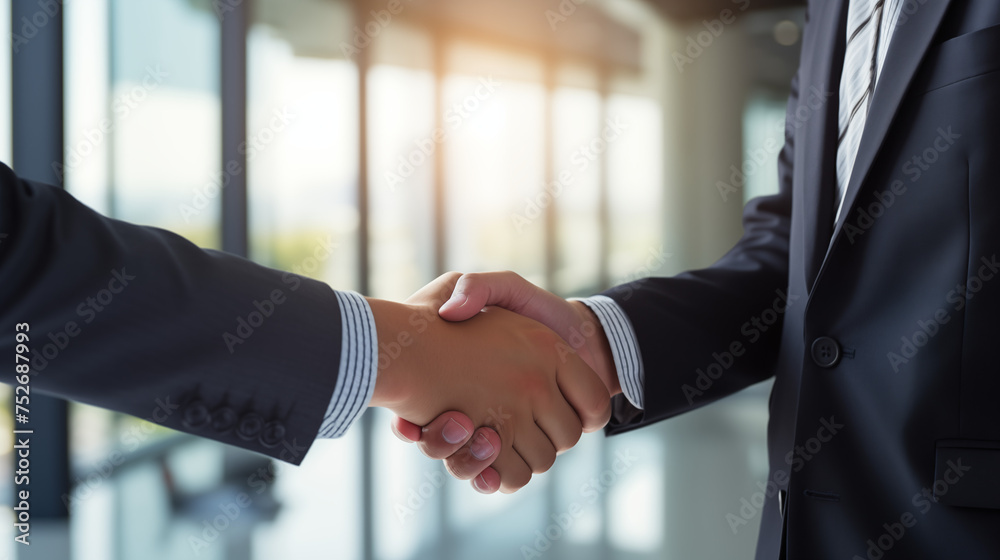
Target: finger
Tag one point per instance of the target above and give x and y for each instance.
(513, 470)
(472, 459)
(560, 424)
(404, 430)
(475, 291)
(584, 391)
(487, 482)
(534, 446)
(445, 435)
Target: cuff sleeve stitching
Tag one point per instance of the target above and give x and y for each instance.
(624, 346)
(357, 371)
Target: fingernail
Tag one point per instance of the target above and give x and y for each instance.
(453, 432)
(481, 448)
(480, 483)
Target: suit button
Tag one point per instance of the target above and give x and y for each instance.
(195, 415)
(250, 425)
(825, 352)
(272, 435)
(224, 419)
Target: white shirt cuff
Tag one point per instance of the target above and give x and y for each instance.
(358, 366)
(624, 346)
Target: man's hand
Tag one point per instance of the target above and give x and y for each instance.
(573, 321)
(452, 436)
(501, 369)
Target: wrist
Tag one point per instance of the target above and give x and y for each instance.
(394, 341)
(596, 349)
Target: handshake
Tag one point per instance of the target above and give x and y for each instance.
(490, 351)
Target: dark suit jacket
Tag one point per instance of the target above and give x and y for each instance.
(884, 436)
(136, 319)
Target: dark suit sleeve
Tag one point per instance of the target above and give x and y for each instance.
(688, 322)
(139, 320)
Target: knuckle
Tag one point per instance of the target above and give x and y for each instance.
(513, 483)
(547, 463)
(571, 440)
(510, 275)
(471, 278)
(598, 408)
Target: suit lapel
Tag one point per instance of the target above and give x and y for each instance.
(818, 85)
(907, 48)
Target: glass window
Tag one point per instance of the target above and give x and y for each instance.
(763, 138)
(90, 123)
(636, 191)
(6, 149)
(143, 143)
(302, 161)
(402, 150)
(164, 109)
(495, 162)
(6, 423)
(302, 173)
(580, 148)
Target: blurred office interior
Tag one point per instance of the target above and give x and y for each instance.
(581, 143)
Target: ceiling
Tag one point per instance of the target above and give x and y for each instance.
(686, 10)
(564, 29)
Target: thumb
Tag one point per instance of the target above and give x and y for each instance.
(473, 292)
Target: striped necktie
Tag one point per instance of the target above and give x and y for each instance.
(870, 24)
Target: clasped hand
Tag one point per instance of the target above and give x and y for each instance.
(531, 394)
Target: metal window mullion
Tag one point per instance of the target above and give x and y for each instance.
(604, 180)
(37, 134)
(233, 100)
(551, 232)
(363, 61)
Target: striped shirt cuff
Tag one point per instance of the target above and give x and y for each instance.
(624, 346)
(358, 366)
